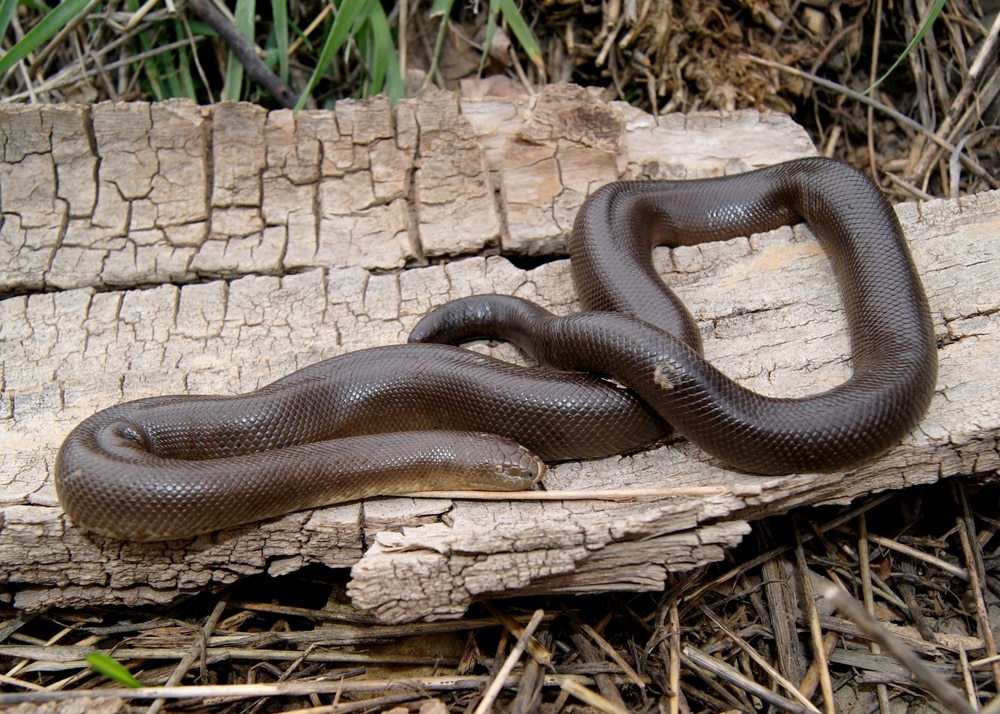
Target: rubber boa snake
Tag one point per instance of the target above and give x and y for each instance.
(427, 417)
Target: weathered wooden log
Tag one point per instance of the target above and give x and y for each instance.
(169, 248)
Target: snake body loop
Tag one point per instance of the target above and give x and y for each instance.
(413, 417)
(651, 346)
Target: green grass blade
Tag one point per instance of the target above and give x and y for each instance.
(924, 28)
(385, 59)
(40, 33)
(442, 9)
(304, 38)
(349, 14)
(152, 68)
(171, 66)
(279, 11)
(112, 669)
(521, 31)
(38, 6)
(7, 8)
(374, 63)
(243, 17)
(187, 84)
(155, 74)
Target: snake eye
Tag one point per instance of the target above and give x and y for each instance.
(498, 468)
(130, 433)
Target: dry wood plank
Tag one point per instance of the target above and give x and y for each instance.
(170, 248)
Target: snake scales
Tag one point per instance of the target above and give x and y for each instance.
(429, 416)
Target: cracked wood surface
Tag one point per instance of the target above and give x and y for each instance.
(168, 248)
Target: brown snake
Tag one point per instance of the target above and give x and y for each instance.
(419, 417)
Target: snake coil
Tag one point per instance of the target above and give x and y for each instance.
(422, 416)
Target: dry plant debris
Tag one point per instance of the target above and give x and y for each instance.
(886, 605)
(814, 61)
